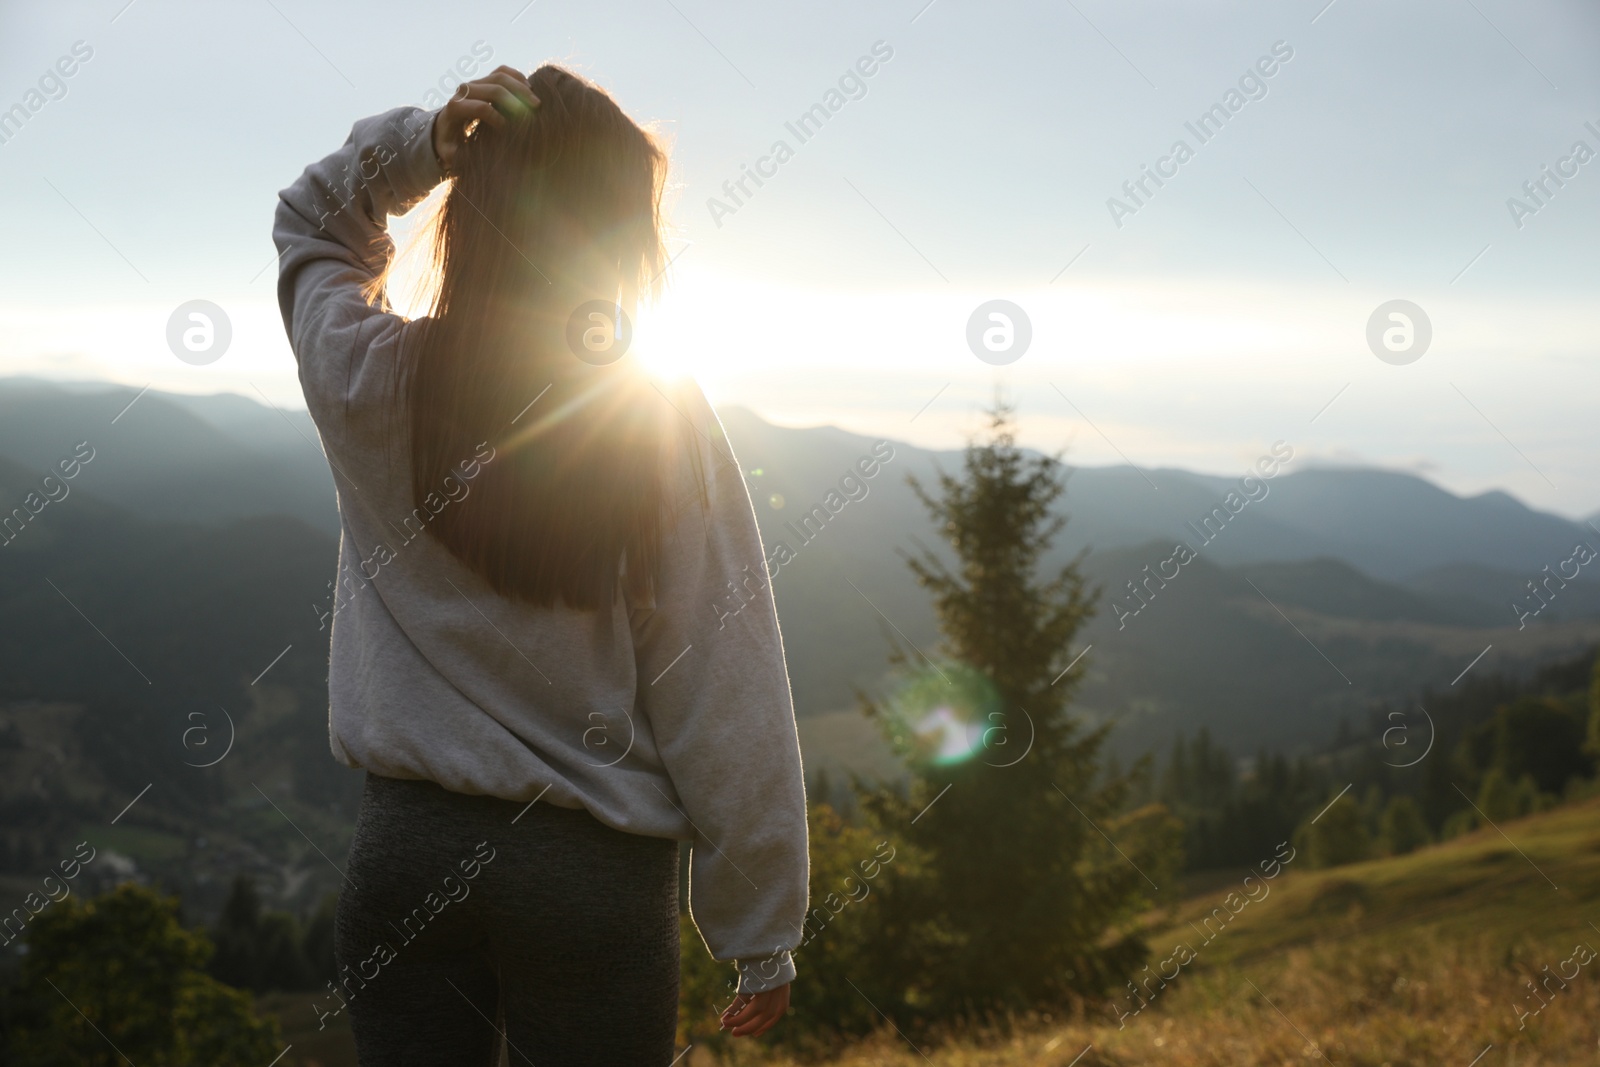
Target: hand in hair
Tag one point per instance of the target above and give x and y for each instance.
(751, 1015)
(493, 100)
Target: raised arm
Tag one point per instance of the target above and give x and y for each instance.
(331, 234)
(332, 244)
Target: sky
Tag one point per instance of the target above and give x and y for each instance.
(1371, 152)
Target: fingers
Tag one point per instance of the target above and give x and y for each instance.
(743, 1015)
(486, 104)
(510, 72)
(756, 1027)
(733, 1011)
(517, 83)
(752, 1016)
(511, 96)
(502, 95)
(755, 1020)
(461, 113)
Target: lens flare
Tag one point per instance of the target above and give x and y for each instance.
(943, 715)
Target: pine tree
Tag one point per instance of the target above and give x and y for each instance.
(236, 960)
(256, 949)
(1403, 829)
(1175, 781)
(316, 943)
(1336, 836)
(1024, 902)
(1592, 745)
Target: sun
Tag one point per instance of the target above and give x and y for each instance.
(662, 342)
(697, 328)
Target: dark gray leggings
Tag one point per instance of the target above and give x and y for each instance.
(456, 925)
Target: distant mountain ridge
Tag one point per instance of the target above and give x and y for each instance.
(208, 459)
(1341, 553)
(1388, 524)
(171, 602)
(224, 456)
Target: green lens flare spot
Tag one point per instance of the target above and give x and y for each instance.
(939, 716)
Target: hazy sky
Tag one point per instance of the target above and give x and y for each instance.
(1192, 325)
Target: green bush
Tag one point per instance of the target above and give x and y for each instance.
(1403, 829)
(1500, 799)
(118, 979)
(262, 950)
(1335, 837)
(1459, 822)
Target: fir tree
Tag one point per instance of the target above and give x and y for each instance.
(1025, 901)
(1592, 745)
(1403, 828)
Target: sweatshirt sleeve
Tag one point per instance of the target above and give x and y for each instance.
(715, 688)
(330, 230)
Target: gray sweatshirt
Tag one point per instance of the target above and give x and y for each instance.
(670, 719)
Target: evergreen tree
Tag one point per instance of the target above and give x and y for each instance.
(236, 960)
(1175, 780)
(1497, 797)
(1403, 828)
(281, 959)
(1214, 777)
(1593, 742)
(256, 949)
(1024, 901)
(316, 945)
(1534, 735)
(1259, 811)
(118, 979)
(1335, 837)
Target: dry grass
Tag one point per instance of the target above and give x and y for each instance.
(1421, 1001)
(1418, 960)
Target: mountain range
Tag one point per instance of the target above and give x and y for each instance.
(1391, 551)
(176, 584)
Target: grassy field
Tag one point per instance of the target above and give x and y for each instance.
(1420, 959)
